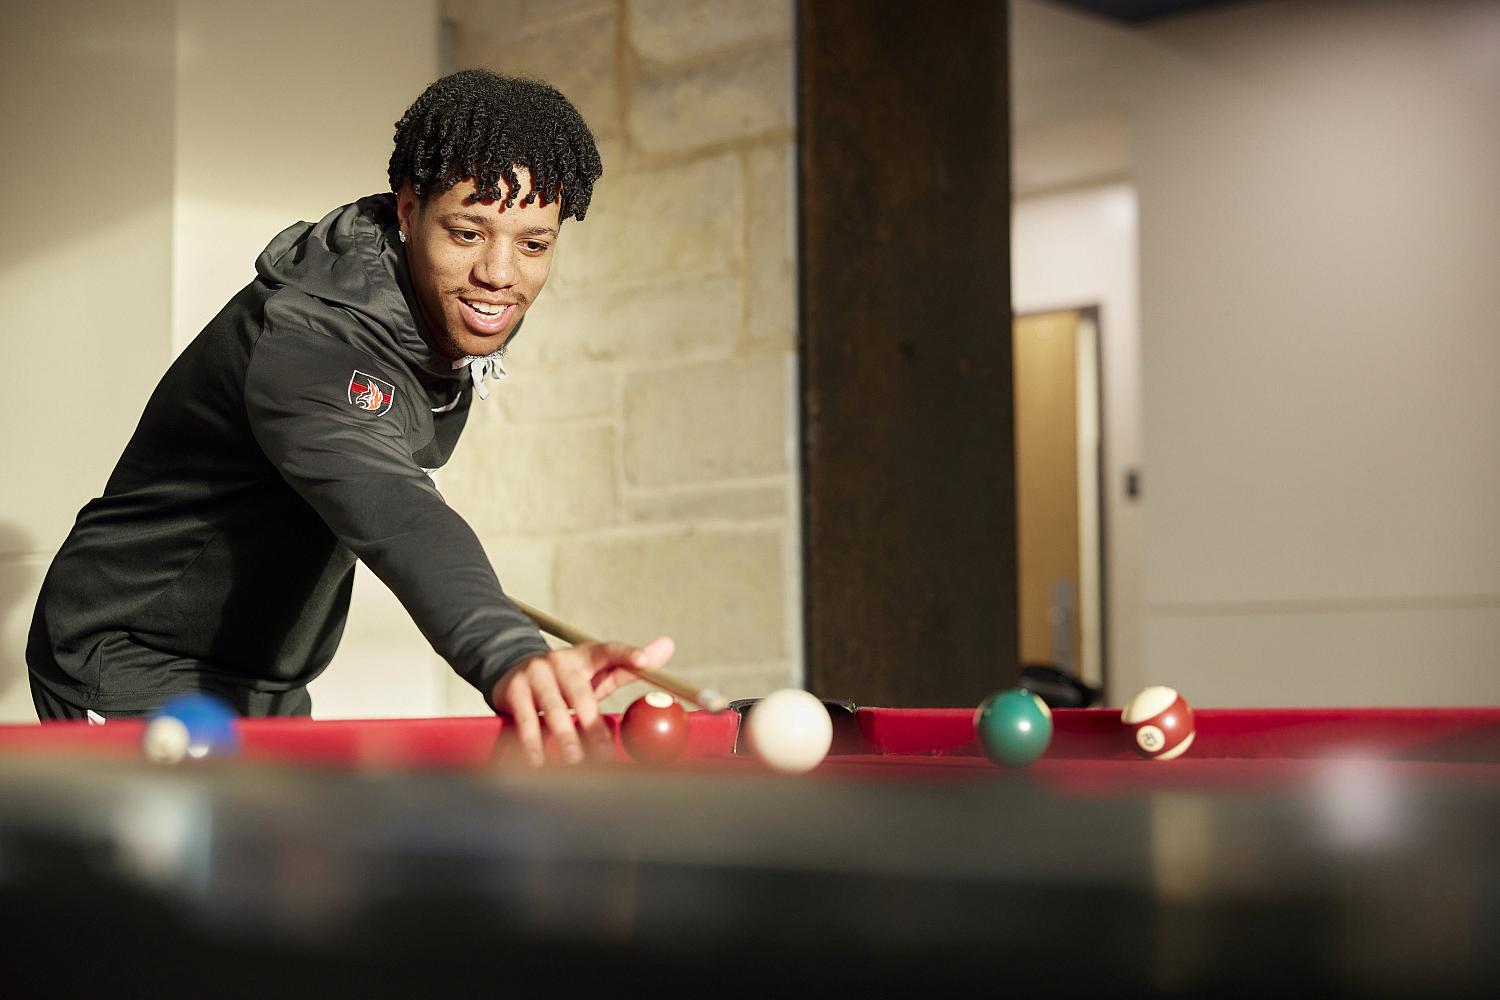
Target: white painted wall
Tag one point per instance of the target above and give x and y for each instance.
(1320, 232)
(1079, 249)
(160, 146)
(1319, 356)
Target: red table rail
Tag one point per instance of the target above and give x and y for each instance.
(1451, 734)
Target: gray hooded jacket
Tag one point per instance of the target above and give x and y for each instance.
(291, 438)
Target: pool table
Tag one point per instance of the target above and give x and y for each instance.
(1320, 850)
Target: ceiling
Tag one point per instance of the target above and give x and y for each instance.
(1141, 11)
(1071, 63)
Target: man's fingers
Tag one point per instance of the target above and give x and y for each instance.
(549, 698)
(657, 652)
(616, 662)
(609, 655)
(602, 655)
(576, 688)
(522, 709)
(565, 686)
(606, 681)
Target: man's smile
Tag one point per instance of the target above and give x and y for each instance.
(487, 318)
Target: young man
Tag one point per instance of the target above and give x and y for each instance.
(296, 433)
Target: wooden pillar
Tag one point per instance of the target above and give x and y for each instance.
(905, 351)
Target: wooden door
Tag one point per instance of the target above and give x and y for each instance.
(1047, 487)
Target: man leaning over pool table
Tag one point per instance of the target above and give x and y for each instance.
(296, 434)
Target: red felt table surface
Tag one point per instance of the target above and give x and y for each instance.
(1090, 752)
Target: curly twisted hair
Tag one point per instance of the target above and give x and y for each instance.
(479, 124)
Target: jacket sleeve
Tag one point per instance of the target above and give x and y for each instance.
(354, 466)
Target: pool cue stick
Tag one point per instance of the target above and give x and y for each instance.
(705, 698)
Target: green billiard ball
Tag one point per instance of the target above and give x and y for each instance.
(1014, 727)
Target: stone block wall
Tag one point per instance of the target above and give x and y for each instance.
(636, 474)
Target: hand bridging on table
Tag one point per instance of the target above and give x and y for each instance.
(541, 690)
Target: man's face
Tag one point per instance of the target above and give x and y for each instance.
(476, 265)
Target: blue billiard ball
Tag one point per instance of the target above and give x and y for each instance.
(190, 727)
(1014, 727)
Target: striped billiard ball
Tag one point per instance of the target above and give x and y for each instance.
(1160, 723)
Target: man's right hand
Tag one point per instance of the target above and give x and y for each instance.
(564, 688)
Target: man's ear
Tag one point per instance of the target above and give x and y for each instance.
(407, 204)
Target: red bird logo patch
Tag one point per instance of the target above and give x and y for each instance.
(370, 393)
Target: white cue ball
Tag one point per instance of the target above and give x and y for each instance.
(166, 740)
(789, 731)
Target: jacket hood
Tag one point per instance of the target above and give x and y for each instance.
(353, 259)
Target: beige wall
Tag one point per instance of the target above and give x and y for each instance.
(636, 474)
(154, 161)
(1318, 206)
(279, 117)
(85, 273)
(671, 308)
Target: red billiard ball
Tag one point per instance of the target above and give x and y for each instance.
(654, 728)
(1160, 723)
